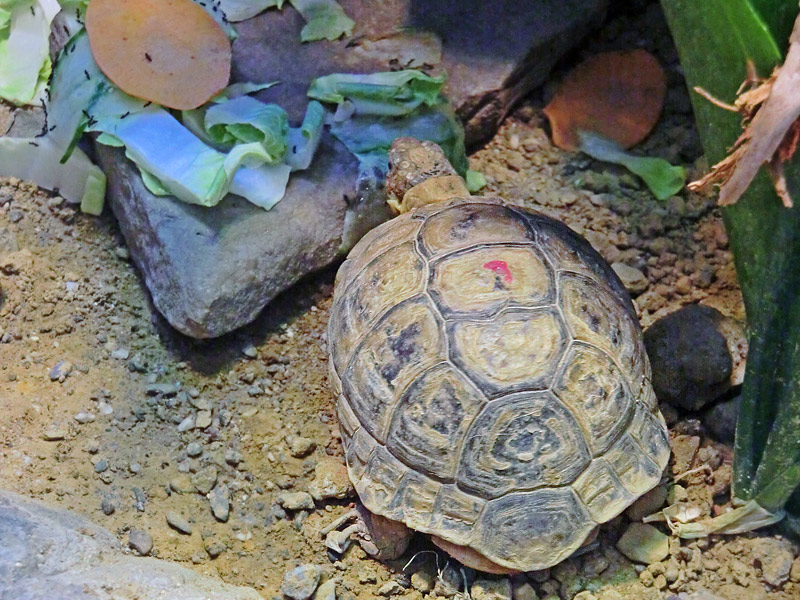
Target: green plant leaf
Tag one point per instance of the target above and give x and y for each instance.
(764, 236)
(389, 93)
(663, 179)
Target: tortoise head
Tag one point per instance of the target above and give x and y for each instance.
(419, 174)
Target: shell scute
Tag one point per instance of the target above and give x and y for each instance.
(515, 350)
(469, 224)
(431, 420)
(593, 314)
(401, 346)
(522, 441)
(596, 392)
(555, 515)
(392, 277)
(601, 491)
(499, 276)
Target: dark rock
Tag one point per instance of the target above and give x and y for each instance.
(720, 419)
(494, 52)
(212, 270)
(53, 554)
(690, 357)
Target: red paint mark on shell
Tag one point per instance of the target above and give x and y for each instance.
(501, 268)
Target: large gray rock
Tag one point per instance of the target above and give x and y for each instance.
(212, 270)
(52, 554)
(494, 51)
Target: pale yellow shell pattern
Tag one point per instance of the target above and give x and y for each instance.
(493, 388)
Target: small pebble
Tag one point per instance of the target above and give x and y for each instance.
(162, 389)
(135, 468)
(491, 589)
(775, 558)
(141, 541)
(219, 498)
(84, 417)
(186, 424)
(54, 433)
(300, 583)
(100, 465)
(300, 446)
(177, 522)
(120, 353)
(330, 480)
(104, 408)
(391, 588)
(296, 501)
(203, 419)
(643, 544)
(523, 590)
(214, 548)
(423, 581)
(194, 449)
(60, 371)
(205, 479)
(108, 505)
(647, 504)
(182, 484)
(232, 456)
(632, 278)
(250, 351)
(327, 591)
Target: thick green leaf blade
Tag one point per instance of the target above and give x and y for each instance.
(715, 38)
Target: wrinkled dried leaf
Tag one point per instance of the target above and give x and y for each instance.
(767, 130)
(171, 52)
(617, 95)
(770, 112)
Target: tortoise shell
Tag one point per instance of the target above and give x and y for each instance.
(493, 387)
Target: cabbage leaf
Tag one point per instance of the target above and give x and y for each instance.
(77, 180)
(388, 93)
(25, 64)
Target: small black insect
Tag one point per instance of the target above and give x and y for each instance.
(85, 72)
(146, 104)
(125, 115)
(34, 144)
(33, 11)
(147, 56)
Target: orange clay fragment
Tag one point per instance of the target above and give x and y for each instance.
(170, 52)
(617, 95)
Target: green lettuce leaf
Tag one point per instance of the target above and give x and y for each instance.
(245, 120)
(25, 64)
(239, 10)
(390, 93)
(174, 159)
(663, 179)
(325, 20)
(370, 137)
(304, 140)
(77, 180)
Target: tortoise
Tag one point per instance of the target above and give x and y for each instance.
(492, 385)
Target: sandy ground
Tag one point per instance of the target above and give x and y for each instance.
(136, 418)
